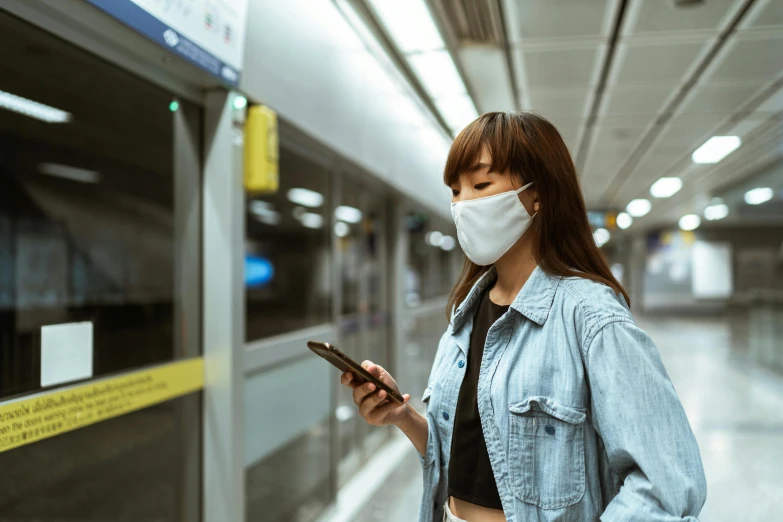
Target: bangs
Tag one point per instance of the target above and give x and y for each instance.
(493, 132)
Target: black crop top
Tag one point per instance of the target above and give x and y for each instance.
(470, 472)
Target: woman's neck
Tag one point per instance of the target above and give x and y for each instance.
(513, 270)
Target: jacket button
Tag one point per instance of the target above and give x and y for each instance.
(461, 364)
(445, 416)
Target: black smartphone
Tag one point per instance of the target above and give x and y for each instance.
(345, 364)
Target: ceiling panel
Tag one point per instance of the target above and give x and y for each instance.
(636, 101)
(651, 64)
(551, 103)
(715, 99)
(662, 16)
(559, 68)
(555, 20)
(766, 13)
(487, 73)
(751, 59)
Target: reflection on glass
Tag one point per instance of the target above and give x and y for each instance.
(86, 207)
(287, 252)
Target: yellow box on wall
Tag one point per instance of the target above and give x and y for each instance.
(262, 152)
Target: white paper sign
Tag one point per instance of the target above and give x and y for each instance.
(712, 274)
(66, 353)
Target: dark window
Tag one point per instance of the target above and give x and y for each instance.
(287, 270)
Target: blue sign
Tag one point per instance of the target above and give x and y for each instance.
(197, 31)
(259, 271)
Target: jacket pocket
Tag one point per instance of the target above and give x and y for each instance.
(546, 452)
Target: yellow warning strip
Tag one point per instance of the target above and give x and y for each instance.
(49, 414)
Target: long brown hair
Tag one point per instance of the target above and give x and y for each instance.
(531, 149)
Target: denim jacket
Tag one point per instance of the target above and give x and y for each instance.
(580, 418)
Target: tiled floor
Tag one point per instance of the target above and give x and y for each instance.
(735, 408)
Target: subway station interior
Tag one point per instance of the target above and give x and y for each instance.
(190, 190)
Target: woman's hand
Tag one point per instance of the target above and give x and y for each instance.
(374, 404)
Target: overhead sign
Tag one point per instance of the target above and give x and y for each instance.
(207, 33)
(49, 414)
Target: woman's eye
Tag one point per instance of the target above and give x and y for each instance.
(482, 186)
(454, 192)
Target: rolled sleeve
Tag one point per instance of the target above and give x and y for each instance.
(645, 431)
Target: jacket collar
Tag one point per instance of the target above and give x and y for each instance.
(534, 301)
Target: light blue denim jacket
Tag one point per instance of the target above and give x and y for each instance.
(580, 418)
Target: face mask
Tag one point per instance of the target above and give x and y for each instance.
(488, 227)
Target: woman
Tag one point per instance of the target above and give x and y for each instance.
(545, 400)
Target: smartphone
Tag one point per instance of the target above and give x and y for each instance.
(345, 364)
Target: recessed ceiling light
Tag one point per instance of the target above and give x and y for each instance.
(639, 207)
(348, 214)
(601, 237)
(33, 109)
(666, 187)
(624, 220)
(341, 229)
(715, 149)
(305, 197)
(312, 220)
(690, 222)
(448, 243)
(758, 196)
(434, 238)
(716, 212)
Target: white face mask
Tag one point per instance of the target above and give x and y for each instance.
(488, 227)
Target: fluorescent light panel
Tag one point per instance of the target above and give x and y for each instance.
(305, 197)
(348, 214)
(690, 222)
(33, 109)
(639, 207)
(758, 196)
(666, 187)
(71, 173)
(410, 25)
(624, 220)
(715, 149)
(716, 212)
(457, 111)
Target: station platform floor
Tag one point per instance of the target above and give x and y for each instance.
(735, 408)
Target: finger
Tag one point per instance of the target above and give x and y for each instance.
(361, 392)
(387, 413)
(346, 378)
(371, 402)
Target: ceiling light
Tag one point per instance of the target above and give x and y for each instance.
(71, 173)
(666, 187)
(448, 243)
(305, 197)
(341, 229)
(716, 212)
(409, 24)
(438, 74)
(715, 149)
(434, 238)
(458, 111)
(639, 207)
(312, 220)
(33, 109)
(270, 218)
(624, 220)
(690, 222)
(348, 214)
(601, 237)
(758, 196)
